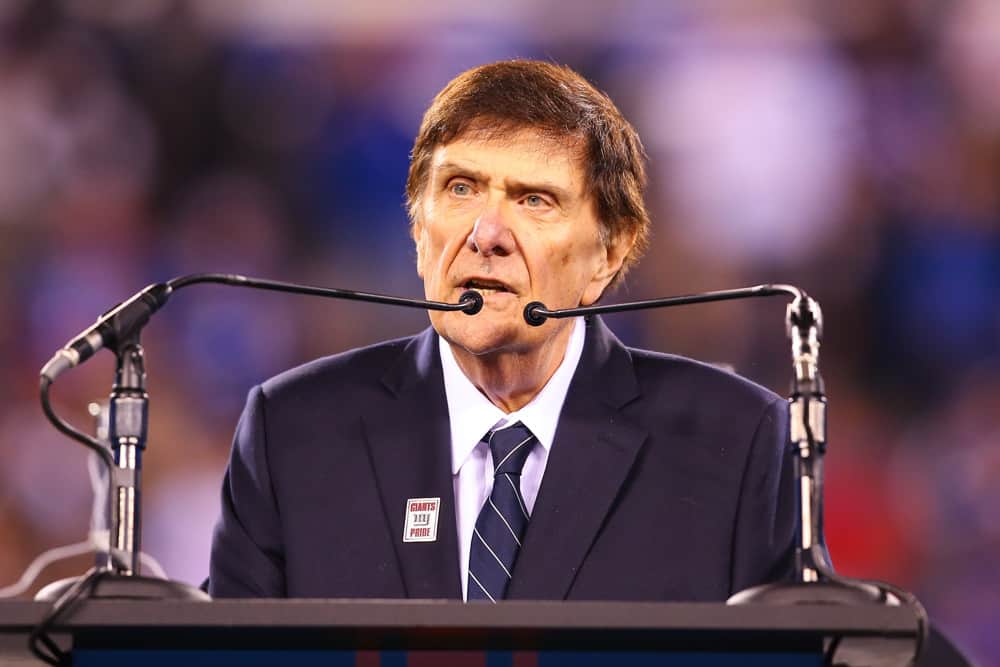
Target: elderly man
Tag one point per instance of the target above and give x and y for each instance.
(484, 458)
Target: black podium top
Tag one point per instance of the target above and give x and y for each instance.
(449, 625)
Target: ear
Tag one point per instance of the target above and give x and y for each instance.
(420, 241)
(608, 265)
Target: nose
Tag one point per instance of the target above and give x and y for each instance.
(491, 235)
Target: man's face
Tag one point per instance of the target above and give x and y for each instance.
(508, 216)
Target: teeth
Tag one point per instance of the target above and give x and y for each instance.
(485, 288)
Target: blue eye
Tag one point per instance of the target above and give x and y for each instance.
(461, 189)
(534, 201)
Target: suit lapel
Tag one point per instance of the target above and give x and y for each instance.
(593, 452)
(409, 442)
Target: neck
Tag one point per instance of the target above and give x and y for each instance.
(511, 379)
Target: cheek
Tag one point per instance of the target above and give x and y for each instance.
(576, 259)
(442, 246)
(436, 233)
(565, 268)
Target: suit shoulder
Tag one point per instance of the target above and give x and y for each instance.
(352, 368)
(658, 368)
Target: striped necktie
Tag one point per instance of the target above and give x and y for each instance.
(501, 523)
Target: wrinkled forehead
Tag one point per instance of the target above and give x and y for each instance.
(538, 146)
(501, 132)
(489, 129)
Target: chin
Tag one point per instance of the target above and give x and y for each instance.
(480, 335)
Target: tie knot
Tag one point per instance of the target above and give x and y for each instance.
(510, 447)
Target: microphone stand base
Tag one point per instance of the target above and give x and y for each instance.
(820, 592)
(112, 586)
(838, 650)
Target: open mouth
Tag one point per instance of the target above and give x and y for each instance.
(486, 286)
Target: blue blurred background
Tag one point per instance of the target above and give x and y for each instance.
(850, 147)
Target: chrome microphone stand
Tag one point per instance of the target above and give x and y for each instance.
(815, 580)
(119, 575)
(807, 428)
(129, 410)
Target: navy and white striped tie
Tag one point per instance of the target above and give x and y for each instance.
(501, 523)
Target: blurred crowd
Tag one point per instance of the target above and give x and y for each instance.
(851, 148)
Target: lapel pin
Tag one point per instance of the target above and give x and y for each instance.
(421, 520)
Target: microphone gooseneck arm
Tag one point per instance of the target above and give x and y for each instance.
(535, 313)
(470, 302)
(132, 315)
(807, 402)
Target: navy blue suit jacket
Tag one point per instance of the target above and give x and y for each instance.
(668, 480)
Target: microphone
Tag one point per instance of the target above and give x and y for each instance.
(126, 319)
(535, 313)
(111, 327)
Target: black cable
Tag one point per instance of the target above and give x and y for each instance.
(68, 429)
(831, 651)
(56, 652)
(39, 640)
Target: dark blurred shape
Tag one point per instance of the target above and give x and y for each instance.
(941, 652)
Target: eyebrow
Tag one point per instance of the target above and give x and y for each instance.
(517, 187)
(455, 167)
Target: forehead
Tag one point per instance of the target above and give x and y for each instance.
(520, 154)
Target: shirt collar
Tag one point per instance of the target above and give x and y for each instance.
(472, 415)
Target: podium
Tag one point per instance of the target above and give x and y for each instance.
(414, 633)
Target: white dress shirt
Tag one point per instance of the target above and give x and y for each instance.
(472, 416)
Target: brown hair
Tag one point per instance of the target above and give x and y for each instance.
(517, 94)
